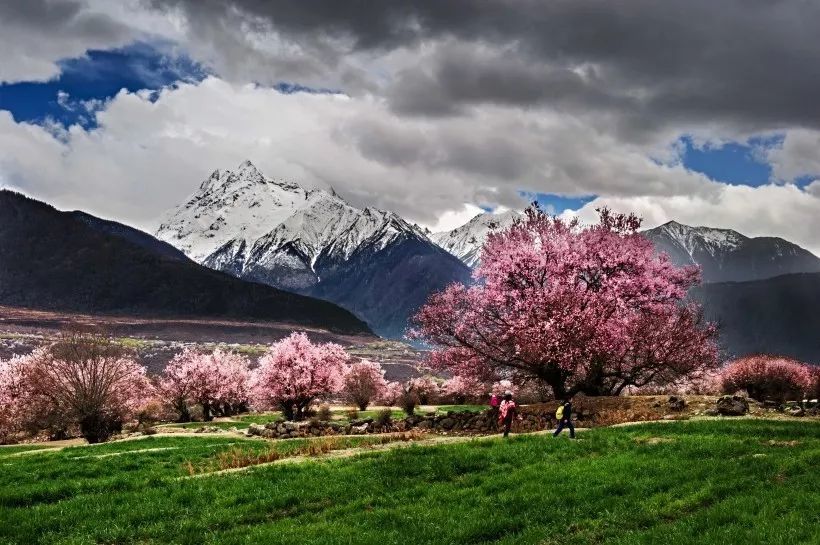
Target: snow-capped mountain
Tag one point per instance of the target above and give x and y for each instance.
(726, 255)
(313, 242)
(465, 242)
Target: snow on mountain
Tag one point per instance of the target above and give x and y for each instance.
(465, 242)
(308, 241)
(241, 219)
(726, 255)
(240, 205)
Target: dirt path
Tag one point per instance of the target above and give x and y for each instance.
(350, 452)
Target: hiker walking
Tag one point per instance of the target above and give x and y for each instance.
(506, 412)
(564, 417)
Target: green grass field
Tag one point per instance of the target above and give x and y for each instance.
(714, 482)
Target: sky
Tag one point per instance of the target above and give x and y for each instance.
(701, 112)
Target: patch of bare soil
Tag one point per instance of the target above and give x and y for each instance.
(775, 443)
(157, 339)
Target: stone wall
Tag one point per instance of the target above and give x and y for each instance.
(588, 412)
(450, 423)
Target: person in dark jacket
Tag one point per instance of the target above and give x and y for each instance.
(565, 421)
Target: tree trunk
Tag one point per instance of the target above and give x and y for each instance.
(287, 411)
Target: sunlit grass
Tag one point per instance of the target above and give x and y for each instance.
(713, 482)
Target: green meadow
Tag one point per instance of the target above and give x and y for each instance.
(714, 482)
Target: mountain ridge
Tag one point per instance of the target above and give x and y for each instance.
(726, 255)
(54, 260)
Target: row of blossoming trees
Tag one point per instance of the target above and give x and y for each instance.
(555, 309)
(88, 382)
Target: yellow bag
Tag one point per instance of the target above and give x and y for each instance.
(559, 413)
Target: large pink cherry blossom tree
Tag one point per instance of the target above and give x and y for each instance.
(581, 308)
(294, 372)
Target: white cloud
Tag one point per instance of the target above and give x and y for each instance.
(450, 219)
(769, 210)
(145, 156)
(798, 156)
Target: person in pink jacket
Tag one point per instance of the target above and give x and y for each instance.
(507, 411)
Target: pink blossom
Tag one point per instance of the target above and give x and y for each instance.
(82, 381)
(364, 382)
(218, 382)
(425, 387)
(294, 372)
(590, 309)
(768, 377)
(459, 389)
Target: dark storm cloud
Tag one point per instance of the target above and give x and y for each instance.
(36, 34)
(753, 64)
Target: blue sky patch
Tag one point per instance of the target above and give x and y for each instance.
(289, 88)
(555, 204)
(733, 162)
(85, 83)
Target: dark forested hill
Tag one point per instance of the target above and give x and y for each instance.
(68, 261)
(779, 315)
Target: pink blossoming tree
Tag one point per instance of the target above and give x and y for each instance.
(218, 382)
(364, 382)
(12, 391)
(768, 377)
(459, 389)
(83, 380)
(583, 309)
(425, 388)
(294, 372)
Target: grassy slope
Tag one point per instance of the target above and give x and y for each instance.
(704, 484)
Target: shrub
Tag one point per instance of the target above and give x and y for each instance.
(767, 377)
(324, 413)
(408, 401)
(352, 414)
(384, 418)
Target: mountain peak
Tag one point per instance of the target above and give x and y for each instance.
(465, 242)
(726, 255)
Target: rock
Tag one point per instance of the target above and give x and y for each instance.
(732, 405)
(425, 425)
(358, 430)
(711, 412)
(256, 429)
(797, 411)
(676, 403)
(447, 423)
